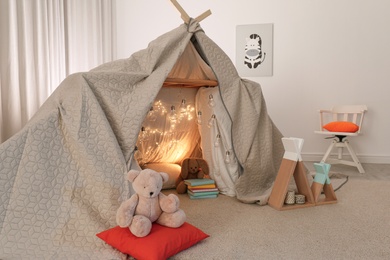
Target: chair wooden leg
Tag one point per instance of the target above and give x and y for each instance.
(340, 145)
(354, 157)
(327, 154)
(340, 151)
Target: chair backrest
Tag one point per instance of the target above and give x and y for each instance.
(350, 113)
(349, 109)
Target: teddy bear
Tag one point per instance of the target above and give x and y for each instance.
(148, 204)
(191, 168)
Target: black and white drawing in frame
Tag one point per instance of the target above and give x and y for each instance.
(254, 50)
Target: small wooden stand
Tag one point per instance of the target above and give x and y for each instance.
(291, 165)
(322, 183)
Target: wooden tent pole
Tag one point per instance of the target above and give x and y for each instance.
(185, 16)
(203, 16)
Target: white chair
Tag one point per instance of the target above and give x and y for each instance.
(336, 122)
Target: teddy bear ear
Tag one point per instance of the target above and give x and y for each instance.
(132, 174)
(184, 168)
(203, 164)
(164, 176)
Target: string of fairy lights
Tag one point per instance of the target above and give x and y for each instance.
(166, 139)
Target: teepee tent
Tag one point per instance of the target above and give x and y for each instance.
(61, 176)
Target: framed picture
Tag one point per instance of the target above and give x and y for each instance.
(254, 50)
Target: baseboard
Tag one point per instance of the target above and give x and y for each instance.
(380, 159)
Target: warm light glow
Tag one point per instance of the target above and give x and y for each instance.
(160, 108)
(180, 149)
(167, 135)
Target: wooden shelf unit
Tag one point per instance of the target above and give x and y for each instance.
(291, 167)
(321, 184)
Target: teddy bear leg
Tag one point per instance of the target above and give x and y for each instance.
(181, 188)
(140, 226)
(173, 220)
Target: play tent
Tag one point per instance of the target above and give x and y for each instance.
(62, 175)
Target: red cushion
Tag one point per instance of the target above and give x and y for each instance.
(341, 126)
(161, 243)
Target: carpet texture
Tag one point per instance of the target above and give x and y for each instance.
(356, 227)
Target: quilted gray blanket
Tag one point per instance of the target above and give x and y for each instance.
(62, 175)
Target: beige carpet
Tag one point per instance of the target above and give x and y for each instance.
(357, 227)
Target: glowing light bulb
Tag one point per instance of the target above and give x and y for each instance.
(172, 115)
(151, 115)
(199, 118)
(183, 106)
(217, 140)
(211, 121)
(144, 136)
(137, 155)
(227, 157)
(211, 102)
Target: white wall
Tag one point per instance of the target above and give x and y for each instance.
(325, 53)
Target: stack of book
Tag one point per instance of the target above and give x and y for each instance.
(201, 188)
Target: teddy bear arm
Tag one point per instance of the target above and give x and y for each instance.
(169, 203)
(200, 175)
(125, 213)
(179, 179)
(181, 187)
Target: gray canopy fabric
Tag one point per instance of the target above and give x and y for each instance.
(256, 140)
(62, 175)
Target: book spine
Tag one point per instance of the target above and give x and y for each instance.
(201, 194)
(199, 182)
(203, 197)
(208, 186)
(195, 190)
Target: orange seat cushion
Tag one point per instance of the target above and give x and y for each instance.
(341, 126)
